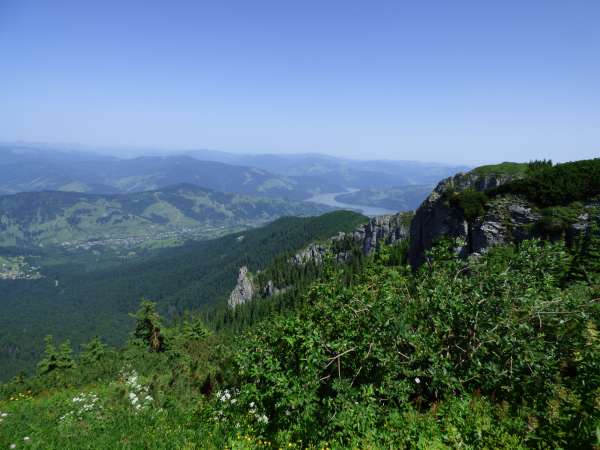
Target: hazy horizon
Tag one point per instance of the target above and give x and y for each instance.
(462, 83)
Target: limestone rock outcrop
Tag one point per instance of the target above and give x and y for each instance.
(507, 219)
(436, 218)
(243, 290)
(387, 229)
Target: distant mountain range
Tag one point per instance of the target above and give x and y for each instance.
(349, 173)
(181, 211)
(35, 167)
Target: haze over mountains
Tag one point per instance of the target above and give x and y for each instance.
(29, 167)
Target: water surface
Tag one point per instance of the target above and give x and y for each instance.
(329, 200)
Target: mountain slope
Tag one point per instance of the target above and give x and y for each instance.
(73, 301)
(348, 173)
(51, 218)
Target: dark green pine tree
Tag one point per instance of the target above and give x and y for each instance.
(56, 359)
(65, 356)
(49, 360)
(586, 263)
(93, 351)
(147, 328)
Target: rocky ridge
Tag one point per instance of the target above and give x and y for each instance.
(507, 219)
(386, 229)
(243, 290)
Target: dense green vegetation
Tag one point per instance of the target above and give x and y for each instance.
(499, 352)
(470, 202)
(175, 213)
(556, 185)
(400, 198)
(82, 295)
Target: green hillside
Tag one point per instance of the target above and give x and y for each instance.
(498, 352)
(170, 214)
(81, 294)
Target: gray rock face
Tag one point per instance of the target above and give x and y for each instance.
(314, 252)
(386, 229)
(435, 218)
(243, 290)
(506, 221)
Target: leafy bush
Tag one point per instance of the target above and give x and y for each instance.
(501, 328)
(499, 352)
(471, 203)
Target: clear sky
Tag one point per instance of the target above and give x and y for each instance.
(451, 81)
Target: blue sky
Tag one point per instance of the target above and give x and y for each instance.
(450, 81)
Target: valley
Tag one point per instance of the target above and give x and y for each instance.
(353, 312)
(331, 199)
(152, 218)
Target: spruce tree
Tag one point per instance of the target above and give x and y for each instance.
(93, 351)
(147, 328)
(49, 361)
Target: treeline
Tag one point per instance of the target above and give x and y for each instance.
(546, 184)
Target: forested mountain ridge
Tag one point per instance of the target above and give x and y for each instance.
(346, 247)
(74, 300)
(173, 213)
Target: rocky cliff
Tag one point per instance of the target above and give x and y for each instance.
(243, 290)
(386, 229)
(504, 219)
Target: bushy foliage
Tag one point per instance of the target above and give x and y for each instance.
(501, 328)
(498, 352)
(471, 203)
(560, 184)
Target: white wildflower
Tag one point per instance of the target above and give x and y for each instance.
(27, 439)
(263, 419)
(417, 380)
(13, 446)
